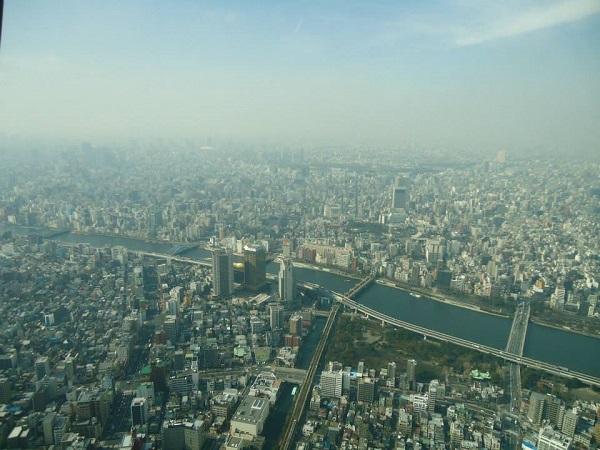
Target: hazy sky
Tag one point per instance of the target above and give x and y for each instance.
(473, 73)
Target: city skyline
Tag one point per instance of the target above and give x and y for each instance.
(301, 225)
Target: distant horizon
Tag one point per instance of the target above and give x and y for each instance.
(44, 145)
(446, 75)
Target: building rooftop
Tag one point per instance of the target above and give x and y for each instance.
(251, 410)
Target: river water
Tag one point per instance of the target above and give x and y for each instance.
(572, 350)
(278, 415)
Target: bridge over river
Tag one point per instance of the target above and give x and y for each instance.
(515, 345)
(559, 347)
(516, 340)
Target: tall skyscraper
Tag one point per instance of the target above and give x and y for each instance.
(139, 411)
(42, 367)
(222, 267)
(411, 373)
(276, 316)
(255, 264)
(287, 286)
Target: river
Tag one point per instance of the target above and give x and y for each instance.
(572, 350)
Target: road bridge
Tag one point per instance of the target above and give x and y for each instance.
(518, 330)
(507, 356)
(515, 345)
(360, 286)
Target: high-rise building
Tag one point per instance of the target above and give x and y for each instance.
(536, 407)
(432, 397)
(420, 402)
(150, 280)
(154, 221)
(296, 325)
(365, 390)
(5, 390)
(139, 411)
(411, 373)
(331, 383)
(177, 435)
(554, 410)
(569, 424)
(287, 286)
(557, 299)
(173, 307)
(276, 316)
(222, 268)
(391, 371)
(399, 197)
(404, 421)
(288, 248)
(501, 156)
(346, 378)
(457, 432)
(60, 426)
(173, 435)
(171, 327)
(255, 263)
(434, 250)
(42, 367)
(194, 436)
(146, 390)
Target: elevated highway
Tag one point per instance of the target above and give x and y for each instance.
(205, 263)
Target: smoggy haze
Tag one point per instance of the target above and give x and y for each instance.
(448, 73)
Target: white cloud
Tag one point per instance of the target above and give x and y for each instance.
(532, 20)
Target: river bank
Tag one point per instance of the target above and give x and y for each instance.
(564, 328)
(325, 269)
(421, 293)
(137, 238)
